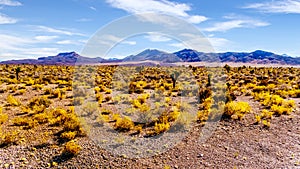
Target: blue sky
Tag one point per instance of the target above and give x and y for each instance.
(36, 28)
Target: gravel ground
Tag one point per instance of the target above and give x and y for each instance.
(234, 144)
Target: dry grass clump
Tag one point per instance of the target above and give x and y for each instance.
(3, 117)
(124, 124)
(13, 101)
(237, 110)
(72, 148)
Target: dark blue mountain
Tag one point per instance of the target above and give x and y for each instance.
(185, 55)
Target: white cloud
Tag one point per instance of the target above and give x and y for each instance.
(57, 31)
(126, 42)
(4, 19)
(10, 3)
(16, 47)
(84, 20)
(157, 6)
(69, 42)
(9, 42)
(219, 43)
(157, 37)
(93, 8)
(65, 42)
(177, 45)
(197, 19)
(235, 23)
(277, 6)
(45, 38)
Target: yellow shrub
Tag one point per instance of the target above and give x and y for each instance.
(41, 118)
(8, 138)
(266, 123)
(257, 118)
(144, 108)
(142, 98)
(174, 115)
(289, 104)
(37, 87)
(124, 124)
(72, 148)
(26, 122)
(279, 110)
(161, 127)
(3, 117)
(68, 135)
(13, 101)
(47, 91)
(167, 99)
(237, 110)
(266, 114)
(136, 103)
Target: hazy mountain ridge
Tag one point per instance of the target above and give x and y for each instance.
(185, 55)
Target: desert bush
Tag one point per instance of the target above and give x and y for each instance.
(7, 139)
(13, 101)
(72, 148)
(124, 124)
(279, 110)
(237, 110)
(68, 135)
(3, 117)
(42, 117)
(25, 122)
(47, 91)
(161, 127)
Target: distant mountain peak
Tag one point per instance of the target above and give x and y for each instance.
(185, 55)
(68, 54)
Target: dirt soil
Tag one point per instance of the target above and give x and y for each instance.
(234, 144)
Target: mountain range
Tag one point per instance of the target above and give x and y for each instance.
(185, 55)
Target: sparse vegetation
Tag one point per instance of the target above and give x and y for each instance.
(39, 102)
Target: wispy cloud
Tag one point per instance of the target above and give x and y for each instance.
(177, 45)
(69, 42)
(93, 8)
(111, 40)
(13, 46)
(45, 38)
(84, 20)
(20, 46)
(158, 6)
(57, 31)
(156, 37)
(10, 3)
(220, 44)
(4, 19)
(234, 22)
(126, 42)
(277, 6)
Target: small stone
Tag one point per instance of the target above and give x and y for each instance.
(200, 155)
(176, 166)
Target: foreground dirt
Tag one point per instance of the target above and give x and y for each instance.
(234, 144)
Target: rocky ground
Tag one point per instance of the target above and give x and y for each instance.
(234, 144)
